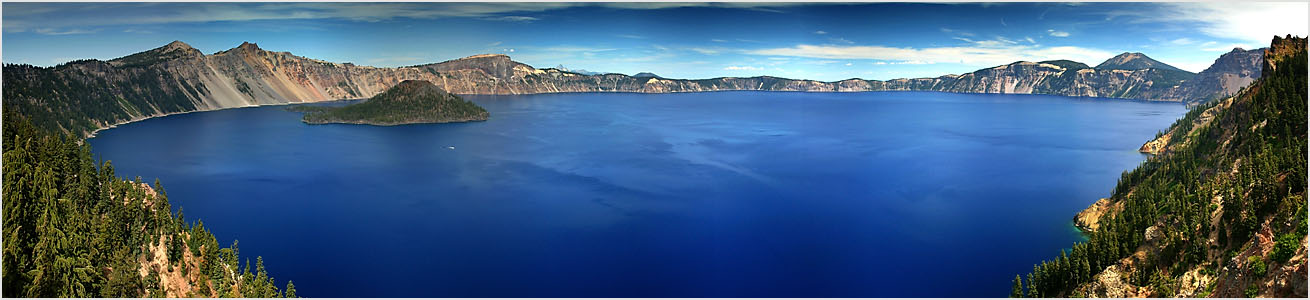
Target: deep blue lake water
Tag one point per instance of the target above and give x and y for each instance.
(749, 194)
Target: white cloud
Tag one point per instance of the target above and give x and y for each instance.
(1226, 47)
(631, 36)
(29, 16)
(50, 31)
(576, 49)
(973, 55)
(1192, 66)
(964, 33)
(743, 68)
(718, 41)
(1249, 22)
(512, 18)
(1252, 22)
(705, 51)
(820, 32)
(1055, 33)
(1182, 41)
(841, 41)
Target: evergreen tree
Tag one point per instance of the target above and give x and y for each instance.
(1017, 290)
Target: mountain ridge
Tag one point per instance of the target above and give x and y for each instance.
(1133, 61)
(82, 96)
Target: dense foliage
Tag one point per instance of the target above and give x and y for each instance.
(411, 101)
(82, 96)
(74, 230)
(1248, 166)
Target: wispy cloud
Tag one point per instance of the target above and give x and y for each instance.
(841, 41)
(743, 68)
(631, 36)
(706, 51)
(959, 32)
(1250, 22)
(28, 16)
(1182, 41)
(50, 31)
(973, 55)
(576, 49)
(1057, 33)
(1225, 47)
(512, 18)
(820, 32)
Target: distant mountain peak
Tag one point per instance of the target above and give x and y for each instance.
(1133, 61)
(646, 75)
(178, 45)
(248, 46)
(171, 51)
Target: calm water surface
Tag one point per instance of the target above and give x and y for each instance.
(752, 194)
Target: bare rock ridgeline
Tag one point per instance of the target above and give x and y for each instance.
(178, 78)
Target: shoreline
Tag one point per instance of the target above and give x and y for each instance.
(93, 133)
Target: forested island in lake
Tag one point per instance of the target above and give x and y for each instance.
(409, 102)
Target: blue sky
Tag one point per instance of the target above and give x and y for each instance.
(679, 40)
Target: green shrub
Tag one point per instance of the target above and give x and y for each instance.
(1256, 265)
(1285, 247)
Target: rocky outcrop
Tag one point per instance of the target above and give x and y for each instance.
(1225, 77)
(1089, 219)
(83, 96)
(1157, 145)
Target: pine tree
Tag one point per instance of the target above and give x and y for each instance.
(291, 290)
(1016, 292)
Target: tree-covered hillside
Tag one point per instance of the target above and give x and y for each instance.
(74, 230)
(1221, 212)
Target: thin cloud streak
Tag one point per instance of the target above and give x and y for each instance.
(961, 55)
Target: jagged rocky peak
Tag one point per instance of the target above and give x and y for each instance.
(1133, 61)
(248, 46)
(1238, 61)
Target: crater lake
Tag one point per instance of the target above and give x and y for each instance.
(741, 194)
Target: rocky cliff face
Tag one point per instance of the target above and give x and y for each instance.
(82, 96)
